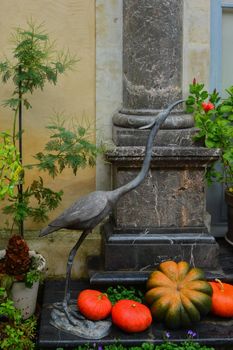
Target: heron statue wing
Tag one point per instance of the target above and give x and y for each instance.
(86, 208)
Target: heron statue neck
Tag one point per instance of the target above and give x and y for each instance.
(161, 117)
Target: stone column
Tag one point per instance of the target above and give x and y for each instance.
(152, 53)
(152, 71)
(165, 217)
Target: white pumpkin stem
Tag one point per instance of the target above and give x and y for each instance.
(221, 284)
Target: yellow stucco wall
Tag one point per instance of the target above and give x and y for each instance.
(72, 24)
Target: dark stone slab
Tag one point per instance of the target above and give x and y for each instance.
(148, 237)
(152, 53)
(103, 278)
(144, 251)
(99, 276)
(211, 330)
(148, 256)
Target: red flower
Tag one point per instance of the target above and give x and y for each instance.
(194, 81)
(207, 106)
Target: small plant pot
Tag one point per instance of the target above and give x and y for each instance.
(25, 298)
(229, 202)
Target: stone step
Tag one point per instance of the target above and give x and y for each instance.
(140, 277)
(99, 276)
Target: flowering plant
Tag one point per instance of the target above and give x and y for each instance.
(213, 117)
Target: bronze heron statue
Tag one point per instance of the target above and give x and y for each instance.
(87, 212)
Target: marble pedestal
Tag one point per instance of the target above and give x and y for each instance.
(165, 217)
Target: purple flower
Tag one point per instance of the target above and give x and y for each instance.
(191, 334)
(168, 335)
(100, 347)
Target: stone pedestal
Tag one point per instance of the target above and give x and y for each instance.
(171, 197)
(165, 217)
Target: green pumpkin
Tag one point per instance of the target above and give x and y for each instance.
(178, 295)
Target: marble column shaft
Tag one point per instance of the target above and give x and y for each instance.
(152, 53)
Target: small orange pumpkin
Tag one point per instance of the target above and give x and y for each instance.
(131, 316)
(93, 304)
(222, 298)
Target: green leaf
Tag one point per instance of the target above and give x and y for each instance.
(81, 131)
(26, 103)
(210, 144)
(6, 282)
(226, 109)
(189, 109)
(12, 103)
(31, 277)
(230, 90)
(204, 95)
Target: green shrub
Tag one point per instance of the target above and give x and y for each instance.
(15, 333)
(187, 345)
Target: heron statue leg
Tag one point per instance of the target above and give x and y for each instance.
(68, 273)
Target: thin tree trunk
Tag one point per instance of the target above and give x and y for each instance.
(21, 224)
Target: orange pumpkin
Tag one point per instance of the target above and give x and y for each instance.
(93, 304)
(178, 294)
(131, 316)
(222, 299)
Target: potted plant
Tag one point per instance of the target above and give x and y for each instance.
(213, 117)
(35, 62)
(20, 273)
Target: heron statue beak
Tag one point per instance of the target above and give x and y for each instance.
(168, 110)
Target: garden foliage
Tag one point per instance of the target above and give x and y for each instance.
(214, 118)
(15, 333)
(36, 62)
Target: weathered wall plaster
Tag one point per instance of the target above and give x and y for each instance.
(196, 42)
(108, 76)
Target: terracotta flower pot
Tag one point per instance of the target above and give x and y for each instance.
(229, 202)
(25, 298)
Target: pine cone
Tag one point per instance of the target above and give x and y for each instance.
(17, 260)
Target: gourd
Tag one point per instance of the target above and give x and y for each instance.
(177, 294)
(93, 304)
(222, 299)
(131, 316)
